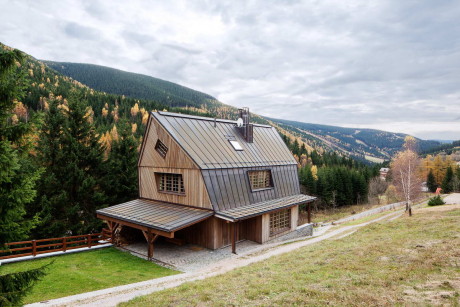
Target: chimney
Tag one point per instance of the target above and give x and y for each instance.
(244, 127)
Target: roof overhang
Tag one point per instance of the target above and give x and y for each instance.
(163, 218)
(253, 210)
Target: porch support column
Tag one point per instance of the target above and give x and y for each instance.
(151, 238)
(233, 230)
(309, 213)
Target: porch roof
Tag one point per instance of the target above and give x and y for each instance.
(248, 211)
(155, 215)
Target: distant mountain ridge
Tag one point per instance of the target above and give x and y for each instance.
(133, 85)
(366, 144)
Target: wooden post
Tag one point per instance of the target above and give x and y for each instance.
(150, 245)
(34, 248)
(88, 238)
(64, 244)
(233, 234)
(309, 213)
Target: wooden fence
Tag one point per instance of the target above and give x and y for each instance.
(44, 246)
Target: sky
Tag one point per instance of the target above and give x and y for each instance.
(391, 65)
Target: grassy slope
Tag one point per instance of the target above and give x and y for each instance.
(405, 261)
(87, 271)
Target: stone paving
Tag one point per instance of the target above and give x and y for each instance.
(190, 257)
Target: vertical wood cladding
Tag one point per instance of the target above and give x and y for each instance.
(195, 190)
(230, 188)
(215, 233)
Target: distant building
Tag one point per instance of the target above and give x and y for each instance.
(384, 172)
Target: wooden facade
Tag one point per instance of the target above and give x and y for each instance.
(212, 160)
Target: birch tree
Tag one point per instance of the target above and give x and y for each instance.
(405, 167)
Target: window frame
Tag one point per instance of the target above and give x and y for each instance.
(158, 146)
(181, 183)
(272, 231)
(271, 183)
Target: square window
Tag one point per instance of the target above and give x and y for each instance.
(260, 179)
(170, 183)
(280, 222)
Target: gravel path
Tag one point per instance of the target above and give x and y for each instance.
(116, 295)
(452, 199)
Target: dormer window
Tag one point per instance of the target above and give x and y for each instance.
(260, 180)
(161, 148)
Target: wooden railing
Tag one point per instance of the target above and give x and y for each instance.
(43, 246)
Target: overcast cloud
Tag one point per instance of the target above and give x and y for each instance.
(390, 65)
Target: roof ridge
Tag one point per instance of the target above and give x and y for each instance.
(220, 120)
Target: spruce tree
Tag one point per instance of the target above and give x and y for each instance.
(447, 181)
(431, 182)
(121, 182)
(17, 175)
(70, 139)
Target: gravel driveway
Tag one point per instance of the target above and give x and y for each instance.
(452, 199)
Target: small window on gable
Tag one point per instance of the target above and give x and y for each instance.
(170, 183)
(161, 148)
(236, 145)
(260, 179)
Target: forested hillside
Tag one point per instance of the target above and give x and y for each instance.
(133, 85)
(362, 143)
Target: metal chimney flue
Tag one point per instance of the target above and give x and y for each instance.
(247, 129)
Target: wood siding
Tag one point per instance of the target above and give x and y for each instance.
(265, 221)
(195, 189)
(230, 188)
(215, 233)
(176, 157)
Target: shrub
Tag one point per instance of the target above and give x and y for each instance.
(436, 201)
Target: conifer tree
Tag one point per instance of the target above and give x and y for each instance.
(121, 182)
(447, 181)
(431, 182)
(17, 177)
(77, 170)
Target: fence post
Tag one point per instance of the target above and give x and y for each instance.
(64, 244)
(89, 240)
(34, 248)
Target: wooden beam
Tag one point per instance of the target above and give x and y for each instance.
(309, 213)
(129, 224)
(233, 234)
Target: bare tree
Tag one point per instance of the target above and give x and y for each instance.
(377, 187)
(405, 175)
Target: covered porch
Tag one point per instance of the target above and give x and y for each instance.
(152, 218)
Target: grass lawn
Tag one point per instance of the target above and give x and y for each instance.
(330, 215)
(408, 261)
(86, 271)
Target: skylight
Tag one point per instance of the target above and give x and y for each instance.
(236, 145)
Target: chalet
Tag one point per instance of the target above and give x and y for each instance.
(211, 182)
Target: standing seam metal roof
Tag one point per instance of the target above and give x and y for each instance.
(157, 215)
(206, 140)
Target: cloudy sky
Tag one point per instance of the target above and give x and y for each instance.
(390, 65)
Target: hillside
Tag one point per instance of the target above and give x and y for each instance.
(364, 143)
(133, 85)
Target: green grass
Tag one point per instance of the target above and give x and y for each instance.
(408, 261)
(86, 271)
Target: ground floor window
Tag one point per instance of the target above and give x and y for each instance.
(280, 221)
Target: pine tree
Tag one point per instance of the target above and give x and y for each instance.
(431, 182)
(447, 181)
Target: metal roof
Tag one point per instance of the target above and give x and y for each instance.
(256, 209)
(157, 215)
(207, 141)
